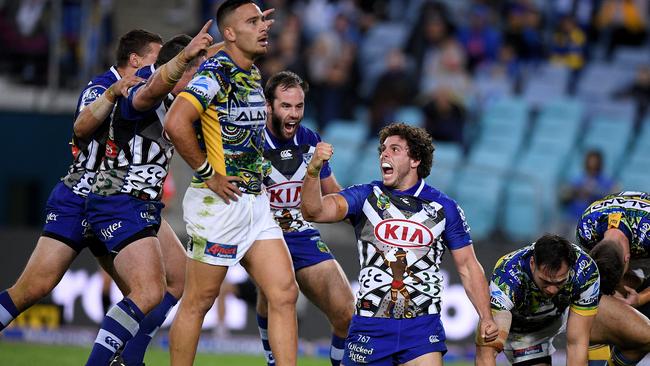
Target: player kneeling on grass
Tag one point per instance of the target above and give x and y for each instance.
(537, 292)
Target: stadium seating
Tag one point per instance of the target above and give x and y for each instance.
(523, 208)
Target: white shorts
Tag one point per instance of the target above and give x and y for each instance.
(521, 347)
(220, 233)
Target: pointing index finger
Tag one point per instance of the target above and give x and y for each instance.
(206, 26)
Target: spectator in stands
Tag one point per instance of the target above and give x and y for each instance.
(593, 184)
(330, 66)
(523, 32)
(567, 48)
(639, 91)
(394, 88)
(480, 39)
(623, 23)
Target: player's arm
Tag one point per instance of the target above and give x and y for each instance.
(179, 128)
(316, 208)
(330, 185)
(91, 116)
(473, 280)
(165, 78)
(486, 352)
(577, 338)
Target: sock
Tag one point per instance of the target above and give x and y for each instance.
(263, 326)
(135, 349)
(8, 311)
(336, 350)
(120, 324)
(617, 359)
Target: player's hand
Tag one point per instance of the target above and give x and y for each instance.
(265, 18)
(121, 87)
(631, 298)
(488, 330)
(199, 43)
(323, 153)
(225, 187)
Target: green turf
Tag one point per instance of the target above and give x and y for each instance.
(23, 354)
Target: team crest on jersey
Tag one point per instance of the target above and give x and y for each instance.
(306, 157)
(91, 94)
(431, 212)
(383, 202)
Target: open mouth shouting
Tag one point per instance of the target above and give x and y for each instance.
(387, 169)
(290, 128)
(263, 41)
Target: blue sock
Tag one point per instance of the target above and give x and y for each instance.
(263, 327)
(336, 350)
(617, 358)
(8, 311)
(134, 350)
(120, 324)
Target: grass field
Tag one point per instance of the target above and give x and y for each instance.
(24, 354)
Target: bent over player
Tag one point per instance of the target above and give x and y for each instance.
(400, 212)
(536, 293)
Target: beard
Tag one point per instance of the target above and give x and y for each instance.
(276, 126)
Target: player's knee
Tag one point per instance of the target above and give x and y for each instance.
(33, 292)
(283, 295)
(342, 316)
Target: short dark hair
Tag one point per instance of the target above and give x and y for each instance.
(284, 80)
(551, 251)
(172, 48)
(419, 142)
(609, 260)
(135, 41)
(227, 8)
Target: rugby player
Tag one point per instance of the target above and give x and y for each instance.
(124, 205)
(66, 232)
(537, 292)
(226, 211)
(402, 226)
(288, 147)
(615, 231)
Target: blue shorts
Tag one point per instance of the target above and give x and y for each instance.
(307, 250)
(65, 221)
(388, 341)
(119, 220)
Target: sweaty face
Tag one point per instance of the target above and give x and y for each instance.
(250, 30)
(398, 169)
(547, 281)
(287, 111)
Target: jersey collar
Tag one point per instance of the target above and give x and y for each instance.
(274, 142)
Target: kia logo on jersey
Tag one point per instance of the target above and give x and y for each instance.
(285, 194)
(403, 233)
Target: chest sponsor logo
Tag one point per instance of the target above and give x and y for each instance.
(221, 250)
(403, 233)
(285, 194)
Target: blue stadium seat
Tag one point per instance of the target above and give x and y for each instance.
(631, 57)
(410, 115)
(563, 109)
(310, 123)
(478, 192)
(346, 133)
(523, 209)
(442, 177)
(447, 154)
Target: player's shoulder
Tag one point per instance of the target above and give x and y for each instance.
(363, 189)
(433, 194)
(307, 136)
(146, 72)
(105, 79)
(514, 259)
(583, 261)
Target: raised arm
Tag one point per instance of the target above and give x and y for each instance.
(91, 116)
(473, 279)
(577, 338)
(166, 76)
(316, 208)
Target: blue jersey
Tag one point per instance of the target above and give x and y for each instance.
(88, 153)
(626, 211)
(289, 161)
(137, 150)
(512, 288)
(402, 236)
